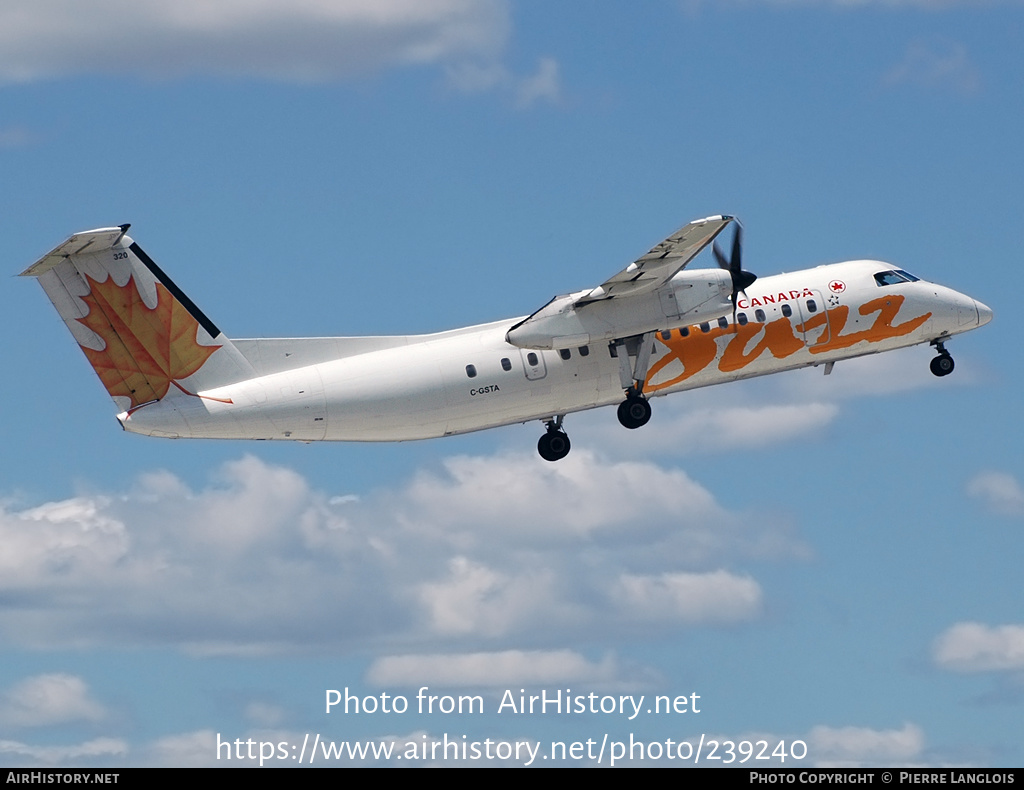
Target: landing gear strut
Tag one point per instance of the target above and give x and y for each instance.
(941, 365)
(634, 411)
(554, 445)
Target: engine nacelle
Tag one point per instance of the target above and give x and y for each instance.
(688, 298)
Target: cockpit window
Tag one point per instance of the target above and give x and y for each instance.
(908, 275)
(892, 278)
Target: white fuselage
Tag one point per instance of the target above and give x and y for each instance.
(418, 387)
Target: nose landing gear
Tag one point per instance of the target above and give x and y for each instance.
(941, 365)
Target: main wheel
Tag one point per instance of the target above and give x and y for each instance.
(554, 446)
(634, 412)
(942, 365)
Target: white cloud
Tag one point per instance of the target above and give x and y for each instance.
(492, 669)
(579, 496)
(545, 85)
(752, 426)
(799, 405)
(48, 699)
(1000, 491)
(684, 425)
(852, 746)
(480, 76)
(822, 747)
(937, 64)
(264, 714)
(303, 40)
(689, 597)
(874, 374)
(476, 599)
(58, 541)
(975, 647)
(89, 752)
(187, 750)
(483, 552)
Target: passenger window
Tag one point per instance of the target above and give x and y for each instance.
(723, 322)
(741, 318)
(531, 358)
(787, 310)
(506, 363)
(684, 331)
(705, 327)
(584, 350)
(811, 306)
(471, 371)
(666, 335)
(564, 353)
(759, 315)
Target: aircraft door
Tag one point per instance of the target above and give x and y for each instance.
(533, 364)
(814, 320)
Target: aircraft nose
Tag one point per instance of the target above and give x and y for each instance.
(984, 313)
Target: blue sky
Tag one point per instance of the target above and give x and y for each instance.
(832, 560)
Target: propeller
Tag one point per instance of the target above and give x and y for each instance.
(740, 278)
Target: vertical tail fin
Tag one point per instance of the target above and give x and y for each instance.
(143, 336)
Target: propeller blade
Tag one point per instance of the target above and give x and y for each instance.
(734, 265)
(736, 260)
(722, 263)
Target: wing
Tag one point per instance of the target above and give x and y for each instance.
(661, 263)
(629, 303)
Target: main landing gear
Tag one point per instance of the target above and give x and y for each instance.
(634, 411)
(554, 445)
(941, 365)
(634, 355)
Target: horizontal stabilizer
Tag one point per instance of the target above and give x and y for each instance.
(86, 242)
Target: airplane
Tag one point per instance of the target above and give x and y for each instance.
(652, 329)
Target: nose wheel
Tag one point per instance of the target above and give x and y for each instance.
(941, 365)
(554, 445)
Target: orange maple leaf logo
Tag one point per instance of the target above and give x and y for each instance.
(146, 349)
